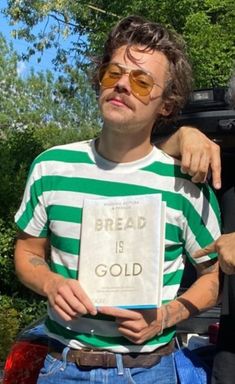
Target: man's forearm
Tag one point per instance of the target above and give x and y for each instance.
(171, 145)
(202, 295)
(34, 273)
(65, 295)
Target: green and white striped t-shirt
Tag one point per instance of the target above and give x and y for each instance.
(59, 181)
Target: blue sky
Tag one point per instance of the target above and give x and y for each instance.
(21, 46)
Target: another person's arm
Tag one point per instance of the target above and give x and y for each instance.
(198, 154)
(225, 247)
(65, 295)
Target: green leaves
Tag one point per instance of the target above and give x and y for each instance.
(15, 314)
(211, 50)
(36, 112)
(207, 26)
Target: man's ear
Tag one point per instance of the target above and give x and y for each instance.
(166, 109)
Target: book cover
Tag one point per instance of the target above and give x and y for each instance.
(122, 251)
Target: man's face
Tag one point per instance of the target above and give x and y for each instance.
(122, 109)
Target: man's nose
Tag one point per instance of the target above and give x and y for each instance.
(123, 84)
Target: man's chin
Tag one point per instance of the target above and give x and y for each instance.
(116, 117)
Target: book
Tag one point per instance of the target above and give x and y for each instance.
(122, 251)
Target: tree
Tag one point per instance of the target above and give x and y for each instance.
(35, 113)
(206, 25)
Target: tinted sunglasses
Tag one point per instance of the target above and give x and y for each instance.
(141, 82)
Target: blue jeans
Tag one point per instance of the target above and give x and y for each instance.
(58, 372)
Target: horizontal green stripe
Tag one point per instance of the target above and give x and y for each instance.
(173, 278)
(64, 213)
(44, 231)
(102, 342)
(167, 301)
(211, 197)
(168, 170)
(213, 256)
(173, 233)
(64, 271)
(21, 226)
(63, 155)
(173, 252)
(35, 191)
(65, 244)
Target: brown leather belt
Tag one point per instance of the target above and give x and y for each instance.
(106, 359)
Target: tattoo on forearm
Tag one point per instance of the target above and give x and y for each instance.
(174, 315)
(36, 261)
(180, 310)
(167, 320)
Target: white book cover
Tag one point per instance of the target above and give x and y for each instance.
(122, 251)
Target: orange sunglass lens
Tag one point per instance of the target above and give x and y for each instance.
(141, 83)
(109, 75)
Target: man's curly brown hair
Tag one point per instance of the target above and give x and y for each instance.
(135, 30)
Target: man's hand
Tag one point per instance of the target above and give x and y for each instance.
(199, 155)
(225, 247)
(136, 326)
(68, 298)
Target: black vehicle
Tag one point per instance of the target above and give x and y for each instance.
(209, 111)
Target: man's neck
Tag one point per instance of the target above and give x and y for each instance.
(123, 148)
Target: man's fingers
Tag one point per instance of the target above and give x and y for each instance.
(82, 297)
(64, 315)
(196, 166)
(205, 251)
(71, 310)
(185, 162)
(121, 313)
(199, 177)
(201, 156)
(216, 168)
(227, 268)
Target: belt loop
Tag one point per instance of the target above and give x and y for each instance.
(119, 362)
(64, 358)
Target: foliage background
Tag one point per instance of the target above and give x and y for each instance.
(206, 25)
(47, 109)
(35, 114)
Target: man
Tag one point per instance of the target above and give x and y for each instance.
(224, 362)
(225, 248)
(144, 77)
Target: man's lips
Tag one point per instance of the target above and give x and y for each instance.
(118, 101)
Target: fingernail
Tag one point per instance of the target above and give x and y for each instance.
(94, 312)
